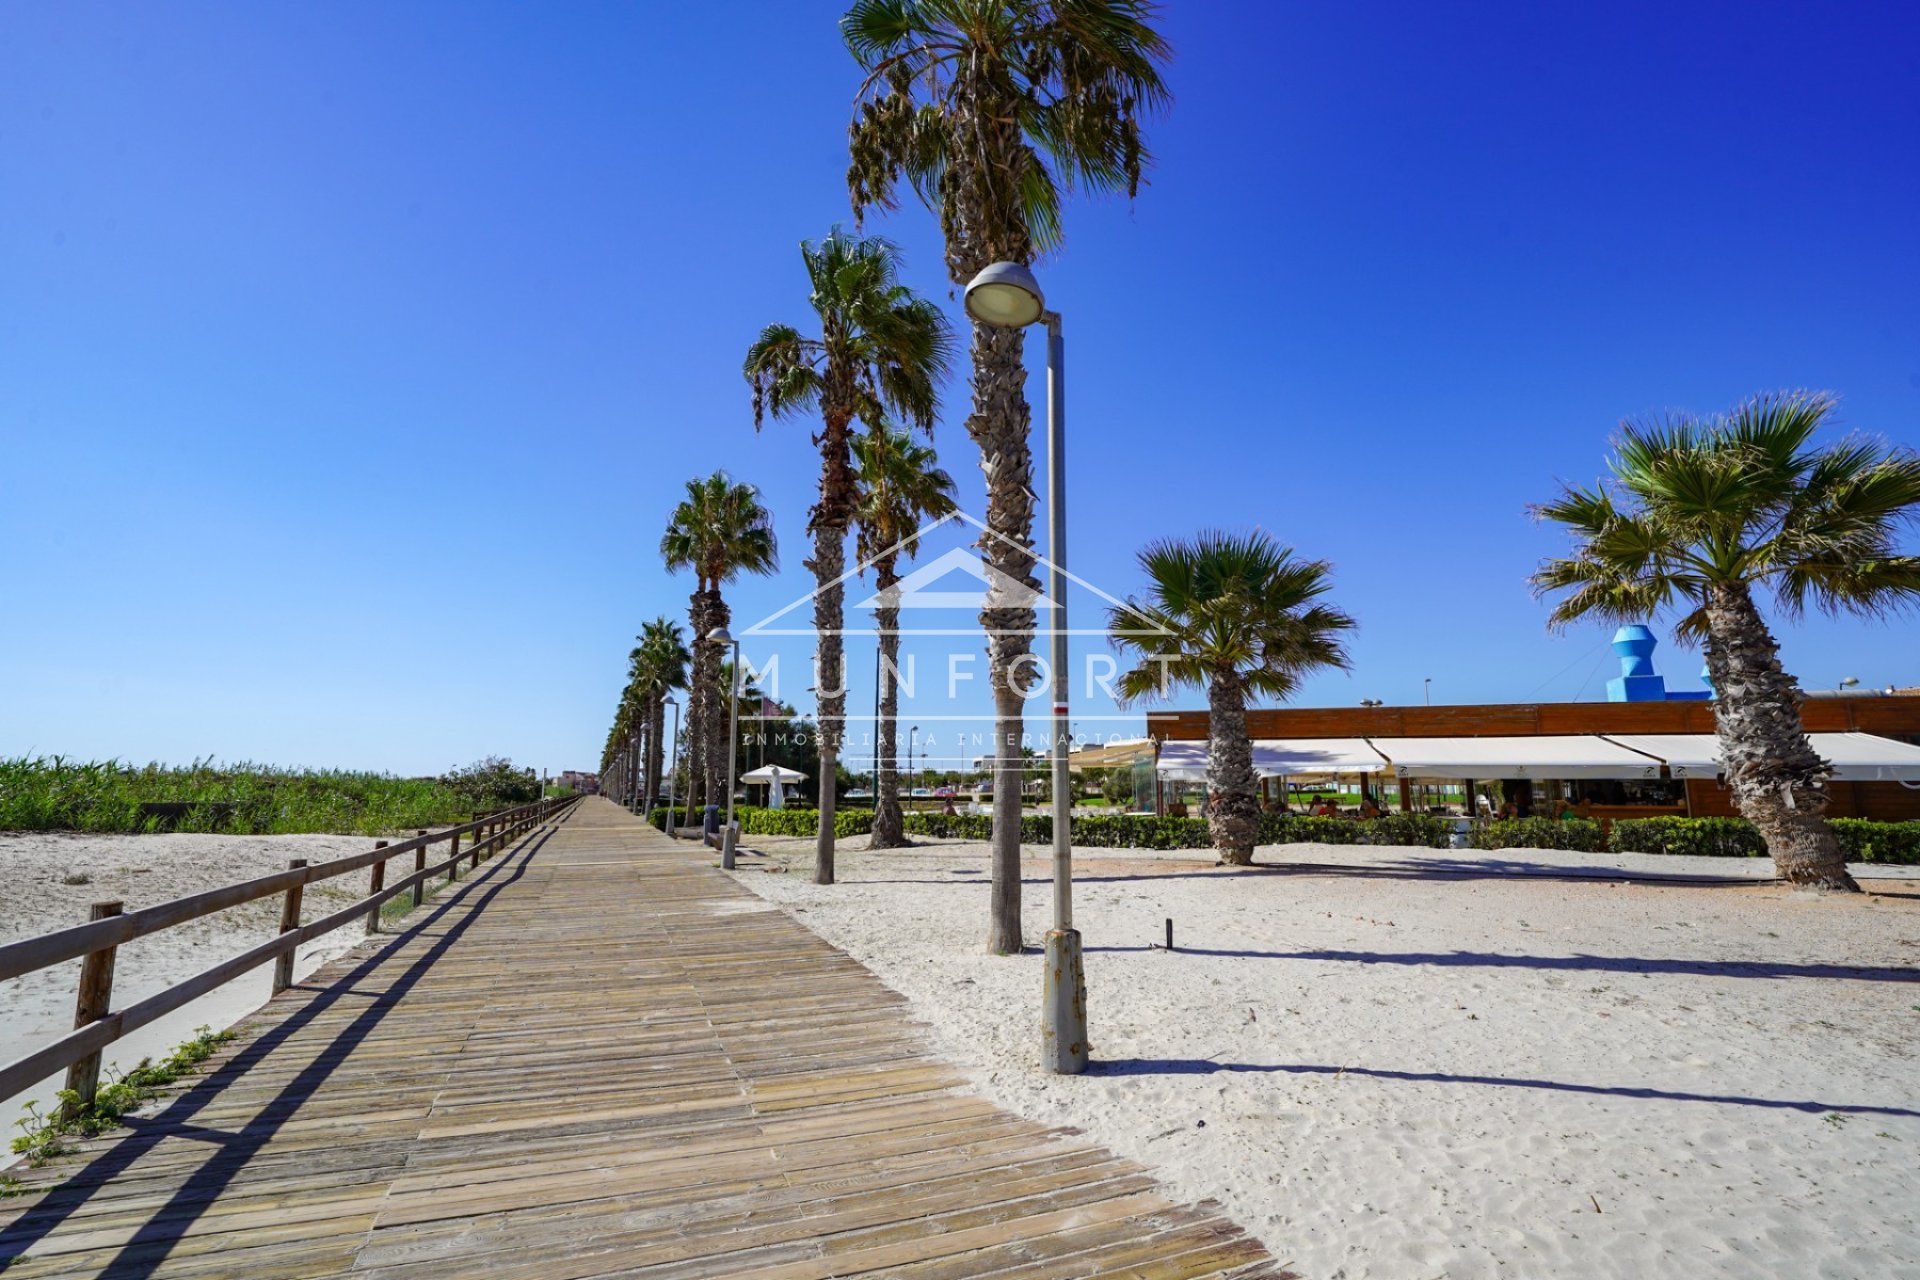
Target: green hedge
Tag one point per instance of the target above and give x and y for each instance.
(1693, 837)
(756, 821)
(1579, 834)
(1891, 843)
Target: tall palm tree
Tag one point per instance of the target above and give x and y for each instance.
(901, 488)
(662, 668)
(1700, 515)
(1237, 614)
(881, 349)
(719, 531)
(988, 109)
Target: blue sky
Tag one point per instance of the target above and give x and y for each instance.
(351, 355)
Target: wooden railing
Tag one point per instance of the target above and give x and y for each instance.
(97, 1024)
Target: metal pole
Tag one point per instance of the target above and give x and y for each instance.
(673, 748)
(1064, 1001)
(733, 734)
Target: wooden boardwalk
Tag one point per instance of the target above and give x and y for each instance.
(600, 1057)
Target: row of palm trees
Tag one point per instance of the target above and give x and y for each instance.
(720, 530)
(988, 111)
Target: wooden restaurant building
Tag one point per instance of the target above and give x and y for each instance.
(1646, 752)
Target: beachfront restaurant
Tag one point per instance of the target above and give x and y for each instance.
(1604, 760)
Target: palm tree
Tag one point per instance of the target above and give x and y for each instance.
(1237, 614)
(661, 668)
(881, 349)
(1700, 515)
(719, 531)
(988, 109)
(901, 488)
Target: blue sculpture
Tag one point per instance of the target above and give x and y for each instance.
(1638, 681)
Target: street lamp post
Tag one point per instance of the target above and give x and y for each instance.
(673, 749)
(913, 733)
(1006, 295)
(720, 635)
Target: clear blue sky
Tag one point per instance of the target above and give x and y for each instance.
(350, 355)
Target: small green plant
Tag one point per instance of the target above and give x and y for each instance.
(76, 877)
(43, 1136)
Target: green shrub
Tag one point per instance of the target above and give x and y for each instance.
(55, 794)
(1580, 834)
(1419, 829)
(1693, 837)
(1140, 831)
(1888, 843)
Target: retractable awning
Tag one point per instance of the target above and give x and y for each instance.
(1856, 757)
(1573, 756)
(1109, 755)
(1278, 757)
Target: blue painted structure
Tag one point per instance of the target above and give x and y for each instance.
(1638, 681)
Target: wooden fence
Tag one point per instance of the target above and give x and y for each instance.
(96, 1024)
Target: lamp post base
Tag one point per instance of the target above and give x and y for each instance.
(1063, 1007)
(727, 834)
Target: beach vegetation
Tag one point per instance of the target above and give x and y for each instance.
(988, 111)
(53, 793)
(1701, 517)
(1241, 617)
(47, 1135)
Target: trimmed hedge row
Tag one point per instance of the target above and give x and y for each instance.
(1105, 830)
(1692, 837)
(1890, 843)
(1579, 834)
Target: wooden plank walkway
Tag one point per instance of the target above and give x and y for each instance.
(600, 1057)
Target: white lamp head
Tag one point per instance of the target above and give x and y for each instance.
(720, 635)
(1005, 295)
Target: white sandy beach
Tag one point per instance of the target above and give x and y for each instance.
(1387, 1063)
(140, 871)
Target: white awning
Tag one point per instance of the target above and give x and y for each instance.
(1573, 756)
(1855, 757)
(1278, 757)
(1288, 756)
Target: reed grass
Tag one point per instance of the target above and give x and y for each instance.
(53, 793)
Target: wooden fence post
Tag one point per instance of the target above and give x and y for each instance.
(453, 864)
(379, 883)
(289, 921)
(96, 996)
(420, 864)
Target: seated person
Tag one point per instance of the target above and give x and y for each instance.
(1370, 808)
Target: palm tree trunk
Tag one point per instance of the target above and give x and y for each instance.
(719, 751)
(889, 830)
(656, 751)
(829, 564)
(1779, 782)
(699, 683)
(999, 426)
(1233, 809)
